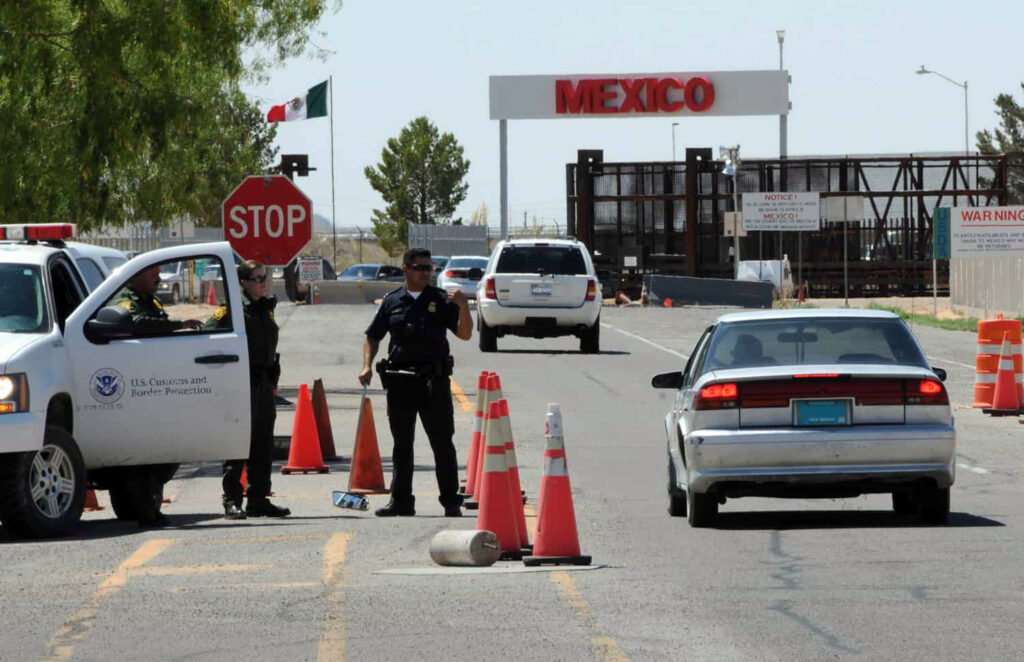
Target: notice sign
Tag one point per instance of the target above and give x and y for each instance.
(780, 211)
(311, 269)
(981, 232)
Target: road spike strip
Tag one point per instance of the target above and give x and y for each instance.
(556, 541)
(496, 510)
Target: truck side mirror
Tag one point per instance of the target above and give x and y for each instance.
(110, 323)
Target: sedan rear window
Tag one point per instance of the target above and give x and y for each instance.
(814, 341)
(560, 260)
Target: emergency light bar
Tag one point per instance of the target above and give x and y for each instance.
(38, 232)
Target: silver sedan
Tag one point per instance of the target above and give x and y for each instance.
(808, 404)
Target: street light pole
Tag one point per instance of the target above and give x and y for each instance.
(923, 70)
(674, 125)
(732, 167)
(783, 118)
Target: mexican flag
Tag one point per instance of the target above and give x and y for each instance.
(306, 106)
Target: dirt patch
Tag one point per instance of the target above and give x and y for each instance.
(919, 305)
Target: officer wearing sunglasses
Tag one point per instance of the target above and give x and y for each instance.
(264, 370)
(416, 373)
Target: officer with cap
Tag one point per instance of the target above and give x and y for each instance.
(261, 332)
(416, 375)
(148, 315)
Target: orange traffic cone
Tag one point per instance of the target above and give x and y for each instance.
(323, 422)
(496, 512)
(245, 481)
(211, 297)
(493, 395)
(667, 302)
(513, 476)
(478, 425)
(366, 473)
(316, 295)
(304, 453)
(556, 541)
(1005, 401)
(91, 504)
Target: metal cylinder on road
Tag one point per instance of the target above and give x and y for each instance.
(465, 548)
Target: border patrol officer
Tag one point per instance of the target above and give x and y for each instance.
(148, 315)
(264, 370)
(416, 376)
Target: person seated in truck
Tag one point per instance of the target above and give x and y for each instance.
(148, 315)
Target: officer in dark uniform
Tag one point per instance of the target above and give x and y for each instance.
(145, 484)
(148, 315)
(264, 370)
(418, 316)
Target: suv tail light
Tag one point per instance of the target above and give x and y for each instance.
(591, 290)
(717, 396)
(490, 291)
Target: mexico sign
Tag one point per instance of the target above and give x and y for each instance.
(267, 219)
(780, 211)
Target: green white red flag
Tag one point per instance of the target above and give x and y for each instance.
(313, 103)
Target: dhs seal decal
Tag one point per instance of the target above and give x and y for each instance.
(106, 386)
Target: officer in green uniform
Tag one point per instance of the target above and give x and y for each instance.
(148, 315)
(264, 370)
(418, 317)
(145, 484)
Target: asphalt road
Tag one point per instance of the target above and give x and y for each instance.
(778, 580)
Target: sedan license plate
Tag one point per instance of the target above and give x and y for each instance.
(822, 412)
(540, 290)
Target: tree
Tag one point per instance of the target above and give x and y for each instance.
(479, 217)
(118, 112)
(420, 176)
(1008, 139)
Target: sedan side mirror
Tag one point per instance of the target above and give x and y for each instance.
(110, 323)
(667, 380)
(940, 373)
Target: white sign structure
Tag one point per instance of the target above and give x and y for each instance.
(732, 224)
(310, 269)
(780, 211)
(764, 92)
(983, 232)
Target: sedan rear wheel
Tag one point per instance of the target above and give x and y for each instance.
(702, 509)
(676, 497)
(903, 503)
(933, 504)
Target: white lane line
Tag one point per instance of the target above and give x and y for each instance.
(962, 365)
(972, 468)
(684, 357)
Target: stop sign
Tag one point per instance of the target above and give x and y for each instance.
(267, 219)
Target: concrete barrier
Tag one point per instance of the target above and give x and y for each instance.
(708, 291)
(331, 291)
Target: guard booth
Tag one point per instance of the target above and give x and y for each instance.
(668, 217)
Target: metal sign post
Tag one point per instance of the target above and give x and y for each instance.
(846, 261)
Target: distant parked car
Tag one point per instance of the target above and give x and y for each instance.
(384, 272)
(439, 262)
(463, 272)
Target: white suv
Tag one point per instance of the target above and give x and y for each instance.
(539, 288)
(85, 401)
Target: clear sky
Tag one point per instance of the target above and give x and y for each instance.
(852, 64)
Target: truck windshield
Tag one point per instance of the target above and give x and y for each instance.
(560, 260)
(22, 299)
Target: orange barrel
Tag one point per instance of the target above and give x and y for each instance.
(990, 343)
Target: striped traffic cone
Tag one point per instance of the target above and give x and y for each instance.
(496, 511)
(1005, 401)
(493, 395)
(478, 426)
(513, 476)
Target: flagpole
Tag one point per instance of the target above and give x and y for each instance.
(334, 222)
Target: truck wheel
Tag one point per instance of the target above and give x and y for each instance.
(488, 338)
(42, 493)
(933, 504)
(590, 341)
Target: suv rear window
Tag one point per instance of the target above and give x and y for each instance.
(559, 260)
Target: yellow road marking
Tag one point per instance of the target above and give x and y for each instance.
(62, 645)
(332, 639)
(460, 395)
(168, 571)
(605, 647)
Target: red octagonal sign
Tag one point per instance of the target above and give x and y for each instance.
(267, 219)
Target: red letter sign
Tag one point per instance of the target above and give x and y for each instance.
(267, 219)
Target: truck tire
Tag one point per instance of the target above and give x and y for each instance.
(42, 493)
(590, 341)
(488, 338)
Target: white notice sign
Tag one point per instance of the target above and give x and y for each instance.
(980, 232)
(780, 211)
(311, 269)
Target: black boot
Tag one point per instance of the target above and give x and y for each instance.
(233, 510)
(397, 509)
(263, 508)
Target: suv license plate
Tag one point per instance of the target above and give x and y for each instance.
(822, 412)
(540, 290)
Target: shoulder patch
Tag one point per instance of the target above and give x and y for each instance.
(156, 302)
(127, 305)
(220, 313)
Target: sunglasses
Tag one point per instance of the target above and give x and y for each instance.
(420, 267)
(257, 279)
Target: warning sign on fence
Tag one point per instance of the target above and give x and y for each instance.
(979, 232)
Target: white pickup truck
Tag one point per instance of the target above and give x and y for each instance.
(539, 288)
(87, 402)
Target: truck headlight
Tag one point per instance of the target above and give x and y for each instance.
(13, 393)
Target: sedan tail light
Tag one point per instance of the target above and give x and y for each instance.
(490, 291)
(591, 290)
(717, 396)
(926, 392)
